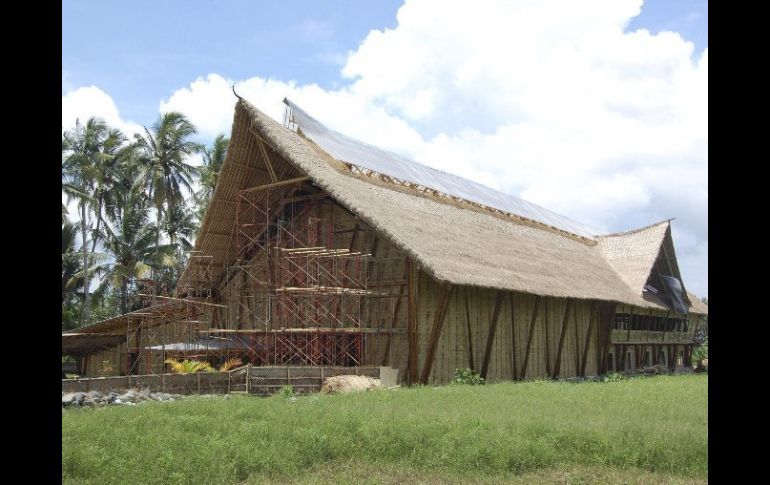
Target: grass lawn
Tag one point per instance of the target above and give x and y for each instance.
(651, 430)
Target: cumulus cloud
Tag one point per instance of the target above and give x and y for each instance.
(556, 102)
(90, 101)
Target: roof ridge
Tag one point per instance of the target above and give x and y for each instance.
(633, 231)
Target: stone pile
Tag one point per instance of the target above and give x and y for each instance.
(129, 397)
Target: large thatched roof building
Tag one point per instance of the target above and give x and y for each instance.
(317, 248)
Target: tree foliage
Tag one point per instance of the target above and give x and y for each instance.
(137, 213)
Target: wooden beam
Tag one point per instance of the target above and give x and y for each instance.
(471, 360)
(604, 330)
(411, 291)
(302, 198)
(277, 184)
(247, 166)
(194, 302)
(265, 157)
(592, 320)
(547, 343)
(557, 365)
(529, 337)
(577, 342)
(396, 309)
(630, 322)
(514, 374)
(622, 362)
(442, 302)
(491, 333)
(673, 356)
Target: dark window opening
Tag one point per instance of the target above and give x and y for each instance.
(625, 321)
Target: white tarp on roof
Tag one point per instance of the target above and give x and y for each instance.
(388, 163)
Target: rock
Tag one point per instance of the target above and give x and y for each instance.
(68, 399)
(161, 396)
(129, 395)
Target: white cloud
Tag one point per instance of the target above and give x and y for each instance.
(553, 101)
(90, 101)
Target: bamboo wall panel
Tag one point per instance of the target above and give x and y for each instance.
(453, 350)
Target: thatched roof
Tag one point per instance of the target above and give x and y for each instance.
(452, 240)
(632, 254)
(697, 306)
(383, 163)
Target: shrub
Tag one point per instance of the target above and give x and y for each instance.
(286, 391)
(702, 352)
(230, 364)
(467, 376)
(613, 377)
(188, 366)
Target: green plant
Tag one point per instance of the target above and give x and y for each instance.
(286, 391)
(613, 377)
(467, 376)
(472, 433)
(702, 352)
(230, 364)
(188, 366)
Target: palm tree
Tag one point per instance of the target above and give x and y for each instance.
(70, 263)
(84, 148)
(163, 162)
(108, 179)
(213, 158)
(180, 226)
(129, 241)
(72, 274)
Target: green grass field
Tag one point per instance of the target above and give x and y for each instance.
(651, 430)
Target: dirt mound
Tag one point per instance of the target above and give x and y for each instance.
(346, 384)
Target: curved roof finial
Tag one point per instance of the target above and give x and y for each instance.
(236, 94)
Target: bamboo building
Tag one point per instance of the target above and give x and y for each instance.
(318, 249)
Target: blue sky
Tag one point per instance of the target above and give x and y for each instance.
(595, 109)
(141, 51)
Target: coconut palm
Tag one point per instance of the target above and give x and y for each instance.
(109, 176)
(213, 158)
(82, 156)
(163, 163)
(129, 241)
(70, 261)
(180, 226)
